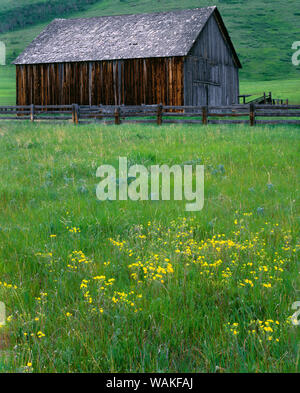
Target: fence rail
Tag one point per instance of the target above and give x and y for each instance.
(252, 114)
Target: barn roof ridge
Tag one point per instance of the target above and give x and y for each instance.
(212, 7)
(130, 36)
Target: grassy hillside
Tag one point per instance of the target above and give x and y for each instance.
(93, 286)
(262, 31)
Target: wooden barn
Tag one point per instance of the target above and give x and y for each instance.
(175, 58)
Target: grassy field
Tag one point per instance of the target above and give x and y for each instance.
(7, 85)
(145, 286)
(282, 89)
(94, 286)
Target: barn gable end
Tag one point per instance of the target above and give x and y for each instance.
(211, 68)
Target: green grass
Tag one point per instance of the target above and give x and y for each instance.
(235, 262)
(282, 89)
(248, 230)
(7, 85)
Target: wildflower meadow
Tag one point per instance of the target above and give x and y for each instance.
(145, 286)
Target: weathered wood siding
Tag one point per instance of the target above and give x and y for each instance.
(128, 82)
(211, 76)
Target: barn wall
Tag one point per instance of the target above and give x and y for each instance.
(129, 82)
(211, 60)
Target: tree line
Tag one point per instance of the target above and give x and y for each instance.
(23, 16)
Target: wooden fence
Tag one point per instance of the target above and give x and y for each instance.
(265, 99)
(158, 114)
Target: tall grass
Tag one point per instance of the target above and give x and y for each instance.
(145, 286)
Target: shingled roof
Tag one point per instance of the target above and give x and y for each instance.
(164, 34)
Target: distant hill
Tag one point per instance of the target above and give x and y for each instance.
(262, 30)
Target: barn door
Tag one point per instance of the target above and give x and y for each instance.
(214, 85)
(200, 90)
(205, 82)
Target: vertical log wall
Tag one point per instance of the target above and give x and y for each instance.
(128, 82)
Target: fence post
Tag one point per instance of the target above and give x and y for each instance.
(117, 116)
(32, 112)
(159, 114)
(204, 115)
(77, 114)
(73, 113)
(252, 115)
